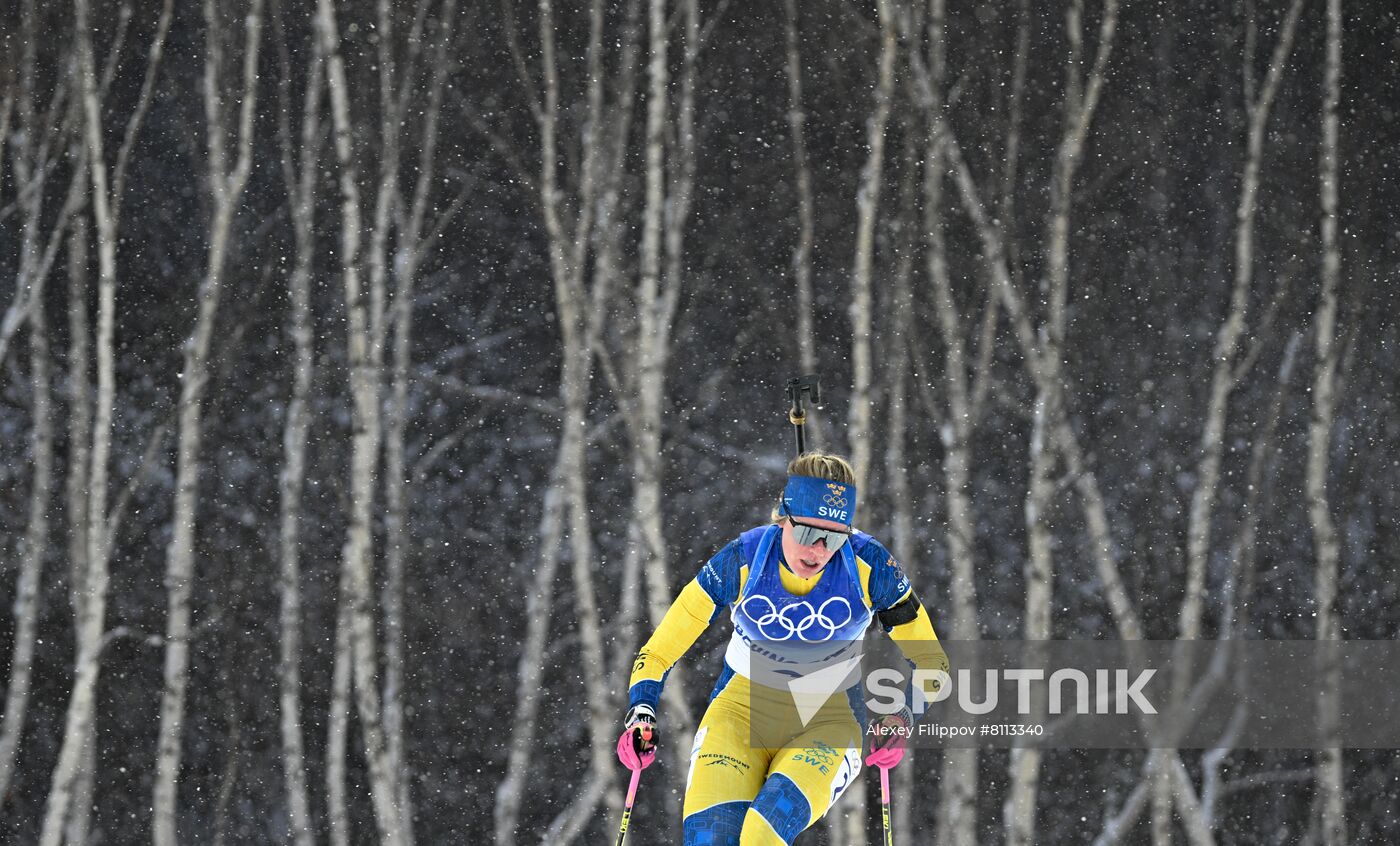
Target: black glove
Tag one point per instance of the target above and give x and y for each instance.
(638, 716)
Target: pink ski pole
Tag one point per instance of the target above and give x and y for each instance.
(884, 805)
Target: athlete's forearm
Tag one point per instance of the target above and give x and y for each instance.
(916, 639)
(685, 621)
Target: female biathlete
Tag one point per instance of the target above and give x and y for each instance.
(805, 580)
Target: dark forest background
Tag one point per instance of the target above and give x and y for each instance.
(683, 428)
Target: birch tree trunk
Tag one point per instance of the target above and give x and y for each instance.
(1223, 380)
(530, 669)
(78, 468)
(408, 257)
(896, 464)
(957, 820)
(567, 264)
(30, 170)
(664, 215)
(369, 429)
(300, 165)
(385, 200)
(1024, 776)
(366, 341)
(79, 400)
(678, 207)
(35, 546)
(338, 720)
(76, 759)
(1228, 335)
(867, 214)
(1080, 99)
(613, 241)
(29, 179)
(806, 223)
(226, 183)
(654, 309)
(1330, 773)
(364, 381)
(850, 813)
(1041, 352)
(579, 313)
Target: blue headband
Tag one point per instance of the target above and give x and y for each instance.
(823, 499)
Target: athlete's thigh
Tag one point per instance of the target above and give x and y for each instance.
(805, 778)
(726, 772)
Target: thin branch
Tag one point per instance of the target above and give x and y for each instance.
(109, 67)
(504, 148)
(522, 69)
(148, 458)
(143, 104)
(709, 25)
(1267, 778)
(440, 223)
(487, 392)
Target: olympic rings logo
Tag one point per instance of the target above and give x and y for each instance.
(793, 623)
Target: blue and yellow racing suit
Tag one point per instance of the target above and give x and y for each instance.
(758, 782)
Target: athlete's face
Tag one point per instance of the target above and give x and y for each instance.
(807, 561)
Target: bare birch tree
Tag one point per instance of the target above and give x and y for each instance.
(958, 817)
(78, 466)
(1330, 773)
(806, 223)
(76, 758)
(1041, 352)
(1225, 375)
(898, 360)
(850, 811)
(37, 143)
(1079, 101)
(411, 221)
(867, 212)
(35, 544)
(300, 166)
(39, 139)
(338, 720)
(227, 179)
(367, 375)
(356, 618)
(668, 177)
(567, 259)
(571, 219)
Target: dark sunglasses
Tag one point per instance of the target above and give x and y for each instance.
(808, 535)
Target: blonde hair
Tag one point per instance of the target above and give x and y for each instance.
(823, 465)
(820, 465)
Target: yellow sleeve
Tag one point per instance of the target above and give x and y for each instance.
(685, 621)
(917, 640)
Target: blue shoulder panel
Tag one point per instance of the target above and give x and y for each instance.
(751, 541)
(720, 575)
(888, 584)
